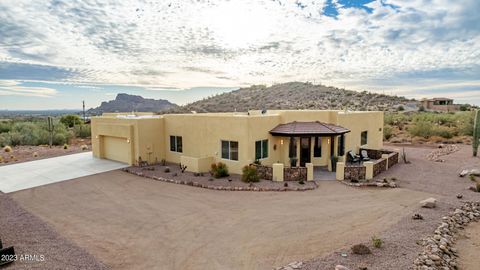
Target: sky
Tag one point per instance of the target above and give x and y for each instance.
(54, 54)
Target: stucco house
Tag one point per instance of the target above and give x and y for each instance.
(290, 137)
(440, 104)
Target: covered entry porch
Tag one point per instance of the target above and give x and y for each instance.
(315, 143)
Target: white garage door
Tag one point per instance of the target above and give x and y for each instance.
(115, 148)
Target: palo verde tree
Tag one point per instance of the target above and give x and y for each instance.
(70, 120)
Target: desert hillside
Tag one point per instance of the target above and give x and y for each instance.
(295, 95)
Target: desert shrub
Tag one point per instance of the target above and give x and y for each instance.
(5, 139)
(5, 126)
(443, 132)
(377, 242)
(166, 170)
(84, 147)
(250, 174)
(387, 132)
(82, 131)
(301, 182)
(472, 177)
(59, 139)
(1, 159)
(422, 129)
(70, 120)
(65, 146)
(7, 149)
(463, 108)
(219, 170)
(421, 108)
(35, 154)
(400, 108)
(477, 186)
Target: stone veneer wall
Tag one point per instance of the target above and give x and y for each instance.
(355, 172)
(379, 166)
(295, 174)
(393, 159)
(265, 172)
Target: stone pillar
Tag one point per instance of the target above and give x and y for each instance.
(340, 174)
(369, 170)
(277, 172)
(385, 156)
(309, 171)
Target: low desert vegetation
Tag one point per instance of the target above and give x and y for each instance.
(219, 170)
(34, 131)
(250, 174)
(377, 242)
(429, 127)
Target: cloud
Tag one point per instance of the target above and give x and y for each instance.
(15, 88)
(183, 44)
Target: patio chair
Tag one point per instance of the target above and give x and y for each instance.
(364, 155)
(353, 158)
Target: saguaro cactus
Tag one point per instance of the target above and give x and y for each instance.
(476, 133)
(50, 129)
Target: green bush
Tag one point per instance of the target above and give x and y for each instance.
(219, 170)
(82, 131)
(250, 174)
(387, 132)
(5, 126)
(70, 120)
(377, 242)
(422, 129)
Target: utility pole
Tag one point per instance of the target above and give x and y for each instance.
(84, 118)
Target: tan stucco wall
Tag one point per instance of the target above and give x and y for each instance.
(202, 135)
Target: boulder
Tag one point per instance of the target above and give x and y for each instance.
(341, 267)
(361, 249)
(429, 203)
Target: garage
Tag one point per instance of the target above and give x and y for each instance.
(116, 148)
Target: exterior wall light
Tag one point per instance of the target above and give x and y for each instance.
(128, 140)
(281, 142)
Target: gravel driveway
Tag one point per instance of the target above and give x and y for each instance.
(129, 222)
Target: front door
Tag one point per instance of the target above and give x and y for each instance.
(304, 151)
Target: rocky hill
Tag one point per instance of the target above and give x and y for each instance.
(296, 95)
(128, 103)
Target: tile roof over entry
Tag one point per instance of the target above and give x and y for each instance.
(308, 128)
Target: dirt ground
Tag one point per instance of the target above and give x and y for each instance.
(469, 247)
(441, 180)
(129, 222)
(36, 244)
(23, 153)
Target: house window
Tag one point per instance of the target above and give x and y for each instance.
(341, 145)
(230, 150)
(292, 149)
(317, 147)
(176, 144)
(364, 138)
(261, 149)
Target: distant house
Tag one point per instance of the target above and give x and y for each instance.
(440, 104)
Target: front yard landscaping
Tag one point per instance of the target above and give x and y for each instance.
(172, 173)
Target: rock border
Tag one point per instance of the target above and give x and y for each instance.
(390, 184)
(197, 184)
(438, 250)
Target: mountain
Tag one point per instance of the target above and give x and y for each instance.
(296, 95)
(128, 103)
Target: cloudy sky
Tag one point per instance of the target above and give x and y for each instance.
(53, 54)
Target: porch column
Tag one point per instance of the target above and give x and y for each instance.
(332, 152)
